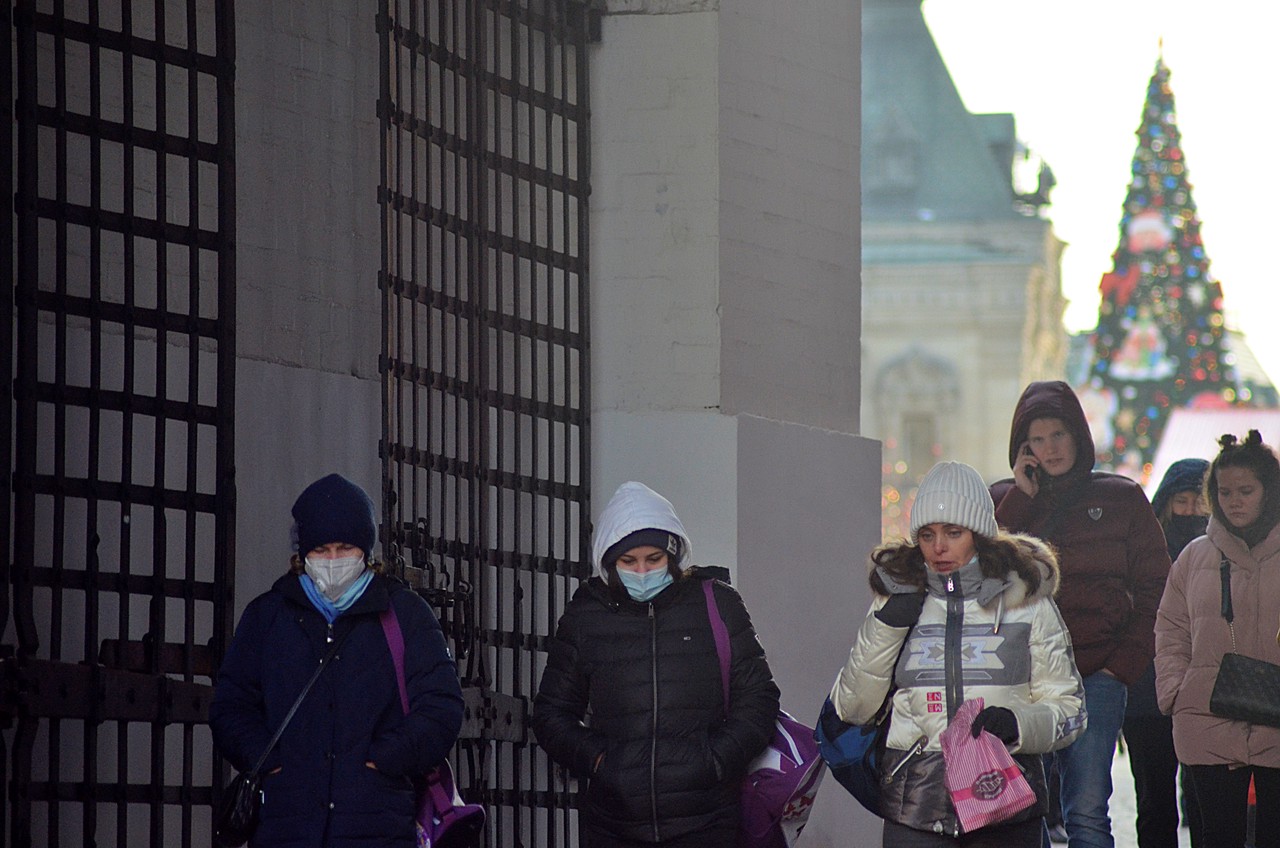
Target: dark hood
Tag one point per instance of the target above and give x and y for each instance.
(1185, 475)
(1053, 399)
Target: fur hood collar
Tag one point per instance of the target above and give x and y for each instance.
(1024, 570)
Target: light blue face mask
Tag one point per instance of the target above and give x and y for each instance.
(643, 587)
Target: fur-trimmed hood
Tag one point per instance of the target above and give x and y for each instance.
(1022, 569)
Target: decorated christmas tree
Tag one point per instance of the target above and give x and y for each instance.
(1159, 343)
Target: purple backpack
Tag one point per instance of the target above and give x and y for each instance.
(443, 819)
(781, 784)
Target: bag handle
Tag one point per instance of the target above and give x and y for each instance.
(721, 634)
(333, 650)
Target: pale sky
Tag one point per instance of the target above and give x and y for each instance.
(1075, 76)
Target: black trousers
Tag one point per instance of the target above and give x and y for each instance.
(1223, 796)
(1024, 834)
(1155, 777)
(722, 838)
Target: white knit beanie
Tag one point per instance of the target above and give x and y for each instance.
(953, 493)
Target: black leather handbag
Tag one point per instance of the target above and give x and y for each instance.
(236, 817)
(1246, 689)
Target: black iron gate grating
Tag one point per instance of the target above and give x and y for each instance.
(120, 577)
(484, 199)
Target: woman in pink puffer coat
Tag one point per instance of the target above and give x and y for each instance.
(1192, 634)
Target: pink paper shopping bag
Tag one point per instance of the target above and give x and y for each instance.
(985, 783)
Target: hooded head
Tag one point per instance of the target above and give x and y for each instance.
(1052, 399)
(333, 509)
(953, 493)
(635, 516)
(1259, 458)
(1185, 475)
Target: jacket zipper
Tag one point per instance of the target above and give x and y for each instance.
(917, 747)
(653, 736)
(952, 658)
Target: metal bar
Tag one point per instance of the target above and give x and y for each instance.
(157, 614)
(157, 50)
(92, 605)
(224, 532)
(62, 490)
(484, 240)
(8, 269)
(390, 554)
(59, 447)
(128, 320)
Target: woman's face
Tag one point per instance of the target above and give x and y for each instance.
(946, 547)
(1240, 495)
(1188, 503)
(643, 559)
(334, 550)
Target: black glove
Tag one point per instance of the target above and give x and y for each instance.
(999, 722)
(902, 610)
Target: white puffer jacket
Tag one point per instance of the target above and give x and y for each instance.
(1000, 637)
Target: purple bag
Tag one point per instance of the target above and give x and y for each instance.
(782, 783)
(443, 819)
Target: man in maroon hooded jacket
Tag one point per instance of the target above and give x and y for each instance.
(1114, 565)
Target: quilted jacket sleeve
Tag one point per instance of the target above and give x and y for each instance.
(1055, 715)
(753, 696)
(863, 683)
(1173, 633)
(561, 702)
(424, 738)
(237, 715)
(1148, 571)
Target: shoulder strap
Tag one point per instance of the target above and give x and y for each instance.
(1227, 612)
(721, 634)
(395, 641)
(333, 650)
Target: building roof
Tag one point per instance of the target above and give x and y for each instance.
(924, 155)
(1195, 432)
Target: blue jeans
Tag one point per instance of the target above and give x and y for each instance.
(1085, 765)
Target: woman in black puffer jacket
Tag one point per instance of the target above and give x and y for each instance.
(635, 651)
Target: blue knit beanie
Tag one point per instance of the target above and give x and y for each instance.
(1185, 475)
(333, 509)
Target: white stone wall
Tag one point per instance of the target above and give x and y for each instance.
(789, 82)
(308, 398)
(654, 214)
(725, 313)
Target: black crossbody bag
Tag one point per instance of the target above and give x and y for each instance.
(237, 815)
(1246, 689)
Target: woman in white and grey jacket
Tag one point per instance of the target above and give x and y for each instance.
(961, 611)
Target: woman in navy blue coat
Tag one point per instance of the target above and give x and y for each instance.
(341, 775)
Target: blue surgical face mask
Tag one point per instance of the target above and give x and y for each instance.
(643, 587)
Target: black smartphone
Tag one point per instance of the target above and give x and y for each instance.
(1036, 472)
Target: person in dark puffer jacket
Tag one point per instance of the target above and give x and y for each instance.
(1183, 512)
(341, 774)
(1114, 564)
(634, 650)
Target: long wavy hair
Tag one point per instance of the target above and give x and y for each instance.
(1260, 458)
(904, 562)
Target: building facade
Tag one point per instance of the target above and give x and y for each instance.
(489, 260)
(962, 299)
